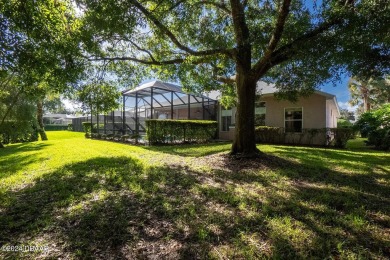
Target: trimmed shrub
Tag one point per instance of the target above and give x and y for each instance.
(269, 134)
(341, 136)
(169, 131)
(70, 127)
(56, 127)
(87, 126)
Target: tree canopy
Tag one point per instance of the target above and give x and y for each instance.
(205, 45)
(39, 46)
(293, 44)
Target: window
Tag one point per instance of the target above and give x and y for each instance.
(260, 111)
(293, 120)
(226, 116)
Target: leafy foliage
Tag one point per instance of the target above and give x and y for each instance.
(99, 98)
(56, 127)
(341, 136)
(295, 44)
(268, 134)
(343, 123)
(308, 136)
(169, 131)
(18, 131)
(87, 127)
(369, 93)
(376, 126)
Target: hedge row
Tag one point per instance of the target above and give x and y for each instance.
(17, 132)
(169, 131)
(337, 137)
(56, 127)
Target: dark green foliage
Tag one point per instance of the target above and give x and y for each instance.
(341, 136)
(18, 131)
(308, 136)
(169, 131)
(268, 134)
(277, 135)
(87, 126)
(56, 127)
(376, 126)
(367, 123)
(70, 127)
(343, 123)
(380, 138)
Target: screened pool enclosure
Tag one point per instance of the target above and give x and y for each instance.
(152, 100)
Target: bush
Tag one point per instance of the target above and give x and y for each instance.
(18, 131)
(70, 127)
(380, 138)
(268, 134)
(376, 126)
(367, 123)
(342, 123)
(87, 126)
(342, 135)
(56, 127)
(168, 131)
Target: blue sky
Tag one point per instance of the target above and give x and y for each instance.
(340, 90)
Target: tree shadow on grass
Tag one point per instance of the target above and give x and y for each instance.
(190, 150)
(115, 208)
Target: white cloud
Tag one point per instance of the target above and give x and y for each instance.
(71, 105)
(346, 105)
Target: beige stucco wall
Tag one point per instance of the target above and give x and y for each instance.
(313, 112)
(314, 115)
(331, 114)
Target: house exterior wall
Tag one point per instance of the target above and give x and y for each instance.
(313, 111)
(331, 114)
(314, 115)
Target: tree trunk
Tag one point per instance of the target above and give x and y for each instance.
(41, 128)
(244, 139)
(366, 98)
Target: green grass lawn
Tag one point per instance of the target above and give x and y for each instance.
(85, 198)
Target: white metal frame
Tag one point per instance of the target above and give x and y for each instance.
(284, 119)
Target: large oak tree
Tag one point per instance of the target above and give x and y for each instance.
(295, 44)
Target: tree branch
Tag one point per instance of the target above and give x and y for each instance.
(173, 38)
(287, 51)
(284, 10)
(227, 80)
(143, 50)
(147, 62)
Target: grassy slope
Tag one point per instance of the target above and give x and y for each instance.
(87, 198)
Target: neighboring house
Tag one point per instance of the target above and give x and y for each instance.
(318, 111)
(58, 119)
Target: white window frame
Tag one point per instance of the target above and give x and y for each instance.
(284, 117)
(265, 105)
(221, 125)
